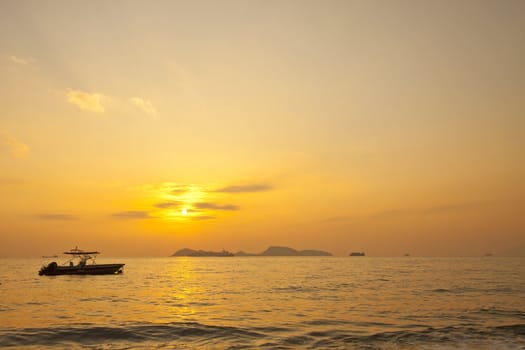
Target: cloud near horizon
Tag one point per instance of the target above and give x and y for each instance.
(13, 146)
(91, 102)
(57, 217)
(145, 105)
(203, 217)
(215, 206)
(132, 214)
(433, 210)
(166, 205)
(245, 188)
(177, 190)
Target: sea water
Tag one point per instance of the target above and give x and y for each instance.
(266, 302)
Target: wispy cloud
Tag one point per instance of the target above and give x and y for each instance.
(203, 217)
(87, 101)
(132, 214)
(145, 105)
(245, 188)
(177, 190)
(13, 146)
(454, 207)
(338, 219)
(57, 217)
(166, 205)
(21, 60)
(215, 206)
(434, 210)
(428, 211)
(392, 213)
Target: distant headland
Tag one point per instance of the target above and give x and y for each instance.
(192, 252)
(270, 251)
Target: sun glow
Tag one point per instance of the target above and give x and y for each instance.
(184, 211)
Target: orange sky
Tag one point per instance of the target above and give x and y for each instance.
(389, 127)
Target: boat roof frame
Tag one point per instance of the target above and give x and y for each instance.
(77, 251)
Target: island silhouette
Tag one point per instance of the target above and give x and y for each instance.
(192, 252)
(270, 251)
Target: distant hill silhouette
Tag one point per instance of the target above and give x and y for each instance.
(270, 251)
(287, 251)
(192, 252)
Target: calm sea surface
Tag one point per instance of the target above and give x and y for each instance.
(256, 302)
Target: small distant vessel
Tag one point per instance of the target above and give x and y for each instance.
(78, 265)
(357, 254)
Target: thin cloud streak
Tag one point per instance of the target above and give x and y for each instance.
(166, 205)
(215, 206)
(245, 188)
(57, 217)
(434, 210)
(132, 215)
(337, 219)
(203, 217)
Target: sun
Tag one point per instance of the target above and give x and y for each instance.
(184, 211)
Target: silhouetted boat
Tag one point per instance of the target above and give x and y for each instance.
(357, 254)
(78, 265)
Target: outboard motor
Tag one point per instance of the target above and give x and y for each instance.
(49, 269)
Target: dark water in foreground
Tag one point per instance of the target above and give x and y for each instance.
(284, 303)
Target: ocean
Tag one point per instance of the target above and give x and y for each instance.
(268, 302)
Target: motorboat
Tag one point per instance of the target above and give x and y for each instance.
(80, 263)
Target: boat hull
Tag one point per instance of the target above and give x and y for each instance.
(96, 269)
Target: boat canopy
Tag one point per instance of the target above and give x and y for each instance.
(80, 252)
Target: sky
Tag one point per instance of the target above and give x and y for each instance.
(138, 128)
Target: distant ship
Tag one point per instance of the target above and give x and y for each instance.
(357, 254)
(78, 265)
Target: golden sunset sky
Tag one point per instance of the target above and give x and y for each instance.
(142, 127)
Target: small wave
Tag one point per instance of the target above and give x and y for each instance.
(500, 312)
(324, 322)
(456, 290)
(464, 290)
(293, 289)
(449, 336)
(516, 329)
(198, 335)
(128, 334)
